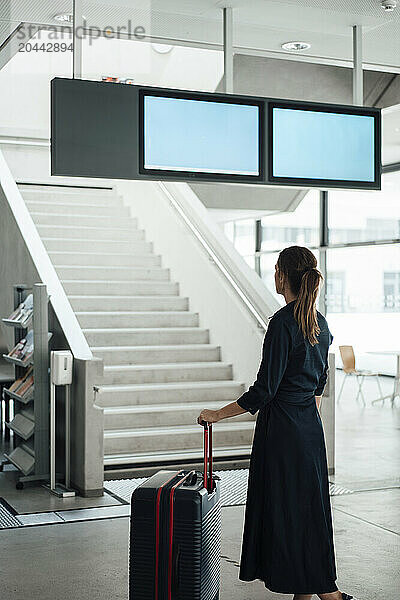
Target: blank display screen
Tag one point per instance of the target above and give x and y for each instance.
(308, 144)
(201, 136)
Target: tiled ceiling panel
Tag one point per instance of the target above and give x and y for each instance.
(33, 11)
(259, 24)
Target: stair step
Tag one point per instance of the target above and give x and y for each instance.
(165, 393)
(57, 207)
(165, 372)
(152, 319)
(70, 195)
(105, 260)
(136, 303)
(80, 220)
(65, 244)
(151, 336)
(160, 415)
(174, 456)
(136, 288)
(180, 437)
(130, 355)
(90, 233)
(90, 273)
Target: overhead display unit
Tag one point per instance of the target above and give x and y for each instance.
(313, 144)
(117, 131)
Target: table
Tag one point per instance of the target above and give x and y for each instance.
(396, 385)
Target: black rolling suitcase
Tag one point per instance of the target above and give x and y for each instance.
(175, 535)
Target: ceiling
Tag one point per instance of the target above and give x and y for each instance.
(259, 25)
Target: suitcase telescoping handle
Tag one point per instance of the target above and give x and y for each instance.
(208, 479)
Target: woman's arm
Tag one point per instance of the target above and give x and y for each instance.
(213, 416)
(275, 354)
(318, 402)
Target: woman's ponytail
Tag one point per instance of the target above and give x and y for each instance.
(305, 310)
(299, 266)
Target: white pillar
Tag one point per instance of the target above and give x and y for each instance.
(358, 84)
(77, 39)
(228, 50)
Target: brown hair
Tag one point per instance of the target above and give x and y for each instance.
(299, 266)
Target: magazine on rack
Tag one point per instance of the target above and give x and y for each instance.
(24, 349)
(23, 314)
(24, 385)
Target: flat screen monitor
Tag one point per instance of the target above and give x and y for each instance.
(195, 136)
(332, 146)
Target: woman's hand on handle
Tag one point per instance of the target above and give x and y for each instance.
(213, 416)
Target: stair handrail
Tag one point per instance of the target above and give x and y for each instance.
(43, 265)
(254, 302)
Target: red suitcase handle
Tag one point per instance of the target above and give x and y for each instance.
(208, 461)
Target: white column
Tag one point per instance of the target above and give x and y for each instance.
(228, 50)
(77, 39)
(358, 85)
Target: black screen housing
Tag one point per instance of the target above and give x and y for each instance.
(163, 173)
(329, 108)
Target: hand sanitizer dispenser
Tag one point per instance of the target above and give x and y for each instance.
(61, 367)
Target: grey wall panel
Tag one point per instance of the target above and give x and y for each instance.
(311, 82)
(227, 196)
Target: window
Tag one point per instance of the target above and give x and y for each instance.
(242, 235)
(299, 227)
(365, 216)
(335, 291)
(391, 291)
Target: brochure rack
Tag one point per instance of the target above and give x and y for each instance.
(30, 424)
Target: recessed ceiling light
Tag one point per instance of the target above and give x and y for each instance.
(388, 5)
(162, 48)
(296, 46)
(64, 18)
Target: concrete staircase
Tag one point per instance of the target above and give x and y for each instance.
(160, 368)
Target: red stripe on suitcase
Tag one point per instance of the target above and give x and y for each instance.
(205, 456)
(210, 458)
(171, 530)
(158, 530)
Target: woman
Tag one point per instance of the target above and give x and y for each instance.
(288, 538)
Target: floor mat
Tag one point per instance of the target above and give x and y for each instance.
(233, 487)
(7, 518)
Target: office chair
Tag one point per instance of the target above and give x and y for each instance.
(349, 368)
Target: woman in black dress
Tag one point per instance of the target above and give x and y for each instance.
(288, 537)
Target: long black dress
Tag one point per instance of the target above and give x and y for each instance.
(288, 537)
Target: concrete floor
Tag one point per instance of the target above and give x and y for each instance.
(89, 560)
